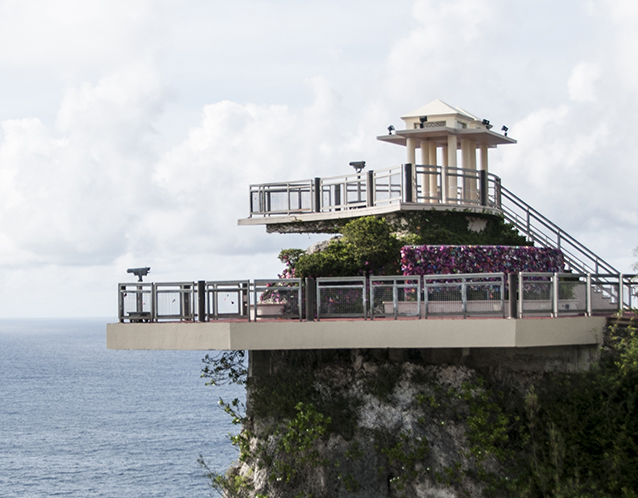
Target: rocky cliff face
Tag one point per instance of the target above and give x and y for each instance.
(363, 424)
(432, 423)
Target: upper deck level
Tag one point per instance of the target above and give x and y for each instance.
(451, 174)
(400, 188)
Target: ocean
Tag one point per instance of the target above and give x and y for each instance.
(79, 420)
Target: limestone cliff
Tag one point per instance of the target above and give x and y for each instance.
(384, 423)
(364, 424)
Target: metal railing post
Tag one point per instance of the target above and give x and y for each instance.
(318, 301)
(254, 302)
(395, 299)
(426, 298)
(337, 197)
(512, 285)
(186, 303)
(310, 299)
(372, 301)
(201, 301)
(120, 302)
(370, 189)
(407, 183)
(621, 294)
(484, 187)
(588, 295)
(464, 296)
(140, 299)
(317, 196)
(443, 185)
(555, 295)
(503, 295)
(245, 300)
(153, 302)
(520, 295)
(364, 297)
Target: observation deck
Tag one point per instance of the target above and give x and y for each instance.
(431, 311)
(309, 205)
(440, 180)
(560, 313)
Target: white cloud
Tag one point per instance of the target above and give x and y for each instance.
(582, 82)
(73, 193)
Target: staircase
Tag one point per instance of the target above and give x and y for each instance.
(542, 232)
(609, 284)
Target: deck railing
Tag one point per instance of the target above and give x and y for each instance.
(405, 183)
(375, 297)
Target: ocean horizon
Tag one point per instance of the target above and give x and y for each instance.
(79, 420)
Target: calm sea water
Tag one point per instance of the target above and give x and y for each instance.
(79, 420)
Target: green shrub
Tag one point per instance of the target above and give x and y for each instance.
(368, 246)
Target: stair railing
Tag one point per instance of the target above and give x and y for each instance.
(538, 229)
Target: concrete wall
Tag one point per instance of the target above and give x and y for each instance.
(350, 334)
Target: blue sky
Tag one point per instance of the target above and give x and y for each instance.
(131, 130)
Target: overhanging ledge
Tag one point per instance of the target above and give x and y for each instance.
(352, 334)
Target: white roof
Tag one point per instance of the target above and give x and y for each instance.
(438, 108)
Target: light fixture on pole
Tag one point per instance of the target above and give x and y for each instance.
(486, 123)
(358, 165)
(390, 129)
(422, 120)
(505, 130)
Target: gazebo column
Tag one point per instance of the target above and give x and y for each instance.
(425, 160)
(484, 179)
(466, 164)
(434, 191)
(452, 145)
(483, 163)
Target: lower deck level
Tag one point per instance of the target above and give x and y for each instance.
(354, 334)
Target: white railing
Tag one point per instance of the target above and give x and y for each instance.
(471, 294)
(341, 297)
(406, 183)
(378, 297)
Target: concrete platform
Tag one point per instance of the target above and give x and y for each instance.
(355, 334)
(294, 223)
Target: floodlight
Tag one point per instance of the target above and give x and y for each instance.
(390, 129)
(358, 165)
(486, 123)
(422, 120)
(505, 130)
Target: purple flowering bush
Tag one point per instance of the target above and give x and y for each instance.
(442, 260)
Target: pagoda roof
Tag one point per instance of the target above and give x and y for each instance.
(438, 108)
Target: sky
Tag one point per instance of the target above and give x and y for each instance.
(131, 130)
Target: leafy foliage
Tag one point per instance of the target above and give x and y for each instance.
(367, 246)
(372, 245)
(452, 228)
(582, 429)
(298, 445)
(225, 367)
